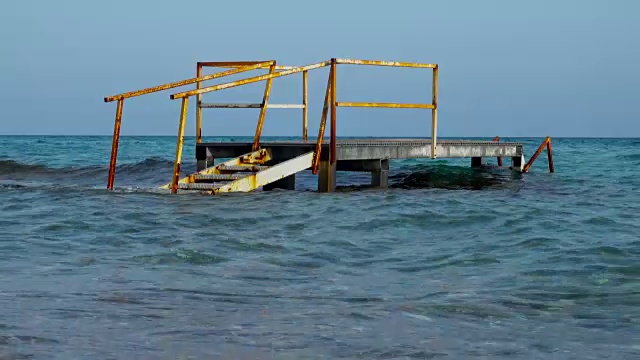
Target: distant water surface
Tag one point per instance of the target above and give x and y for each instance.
(450, 262)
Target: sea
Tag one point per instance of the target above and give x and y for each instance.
(449, 262)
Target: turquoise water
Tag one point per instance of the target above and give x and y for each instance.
(450, 262)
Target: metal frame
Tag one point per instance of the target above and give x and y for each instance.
(275, 71)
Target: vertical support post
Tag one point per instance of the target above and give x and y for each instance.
(263, 108)
(327, 177)
(434, 113)
(380, 177)
(114, 145)
(323, 123)
(550, 155)
(305, 102)
(497, 138)
(181, 127)
(198, 109)
(332, 155)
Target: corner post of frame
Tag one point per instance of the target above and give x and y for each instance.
(114, 144)
(263, 108)
(550, 155)
(198, 108)
(305, 103)
(180, 144)
(332, 159)
(434, 114)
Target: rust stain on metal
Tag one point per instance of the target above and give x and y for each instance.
(434, 113)
(321, 128)
(332, 158)
(496, 139)
(263, 109)
(198, 108)
(533, 158)
(385, 105)
(248, 80)
(305, 102)
(550, 156)
(235, 64)
(385, 63)
(186, 82)
(179, 146)
(114, 144)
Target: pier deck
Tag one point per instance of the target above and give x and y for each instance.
(366, 155)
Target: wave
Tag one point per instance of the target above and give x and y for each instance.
(149, 171)
(449, 177)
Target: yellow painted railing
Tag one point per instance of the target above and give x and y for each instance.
(275, 71)
(197, 80)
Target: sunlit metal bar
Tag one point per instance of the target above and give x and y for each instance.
(434, 113)
(248, 80)
(198, 109)
(385, 63)
(263, 110)
(305, 103)
(235, 64)
(179, 146)
(385, 105)
(332, 155)
(187, 82)
(249, 106)
(323, 124)
(114, 145)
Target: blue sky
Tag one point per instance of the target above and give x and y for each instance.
(509, 68)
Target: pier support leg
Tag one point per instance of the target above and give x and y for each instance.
(380, 177)
(517, 163)
(476, 162)
(287, 183)
(326, 177)
(204, 158)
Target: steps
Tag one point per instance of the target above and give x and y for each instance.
(242, 174)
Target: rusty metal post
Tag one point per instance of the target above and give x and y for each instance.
(434, 113)
(323, 123)
(332, 155)
(176, 164)
(263, 109)
(114, 145)
(198, 109)
(550, 155)
(305, 102)
(496, 139)
(536, 154)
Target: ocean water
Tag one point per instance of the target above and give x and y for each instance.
(449, 262)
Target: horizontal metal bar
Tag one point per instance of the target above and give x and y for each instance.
(187, 81)
(385, 63)
(248, 80)
(286, 106)
(235, 64)
(385, 105)
(249, 106)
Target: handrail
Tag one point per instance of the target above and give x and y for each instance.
(121, 97)
(176, 84)
(330, 100)
(248, 80)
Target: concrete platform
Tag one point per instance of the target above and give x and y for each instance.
(368, 155)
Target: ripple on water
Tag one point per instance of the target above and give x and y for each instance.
(181, 256)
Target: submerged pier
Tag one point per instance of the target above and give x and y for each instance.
(270, 165)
